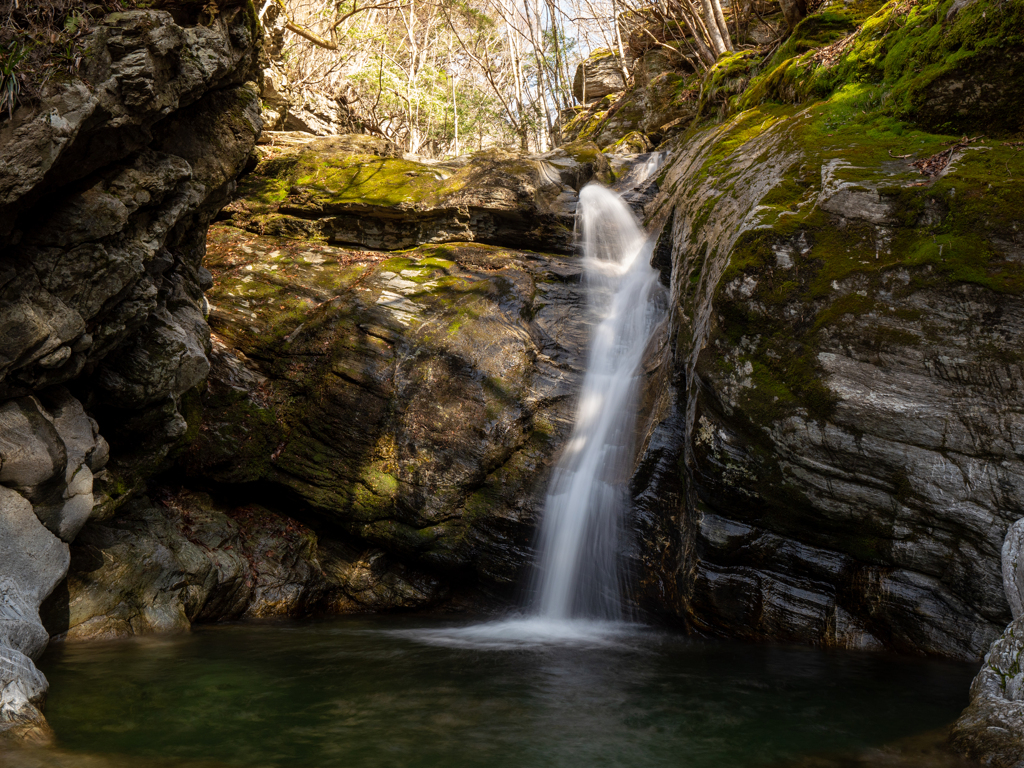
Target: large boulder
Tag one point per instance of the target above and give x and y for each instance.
(663, 99)
(414, 402)
(598, 76)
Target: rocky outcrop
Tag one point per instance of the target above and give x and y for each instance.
(355, 190)
(290, 108)
(991, 729)
(34, 561)
(836, 459)
(663, 100)
(159, 567)
(599, 76)
(413, 403)
(107, 185)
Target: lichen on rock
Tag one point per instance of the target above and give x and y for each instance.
(395, 395)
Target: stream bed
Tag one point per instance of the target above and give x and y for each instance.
(415, 693)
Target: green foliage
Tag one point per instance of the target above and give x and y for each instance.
(11, 58)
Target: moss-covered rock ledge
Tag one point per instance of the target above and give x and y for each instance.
(840, 457)
(357, 190)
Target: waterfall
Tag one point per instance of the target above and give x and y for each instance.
(576, 595)
(577, 569)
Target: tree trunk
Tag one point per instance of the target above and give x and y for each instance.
(722, 26)
(543, 87)
(692, 22)
(618, 43)
(717, 43)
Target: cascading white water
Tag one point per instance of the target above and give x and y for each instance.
(577, 574)
(576, 592)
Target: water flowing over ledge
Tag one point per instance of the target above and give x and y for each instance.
(576, 594)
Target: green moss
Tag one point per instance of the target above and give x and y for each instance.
(905, 50)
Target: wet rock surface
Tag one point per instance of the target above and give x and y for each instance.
(159, 567)
(845, 412)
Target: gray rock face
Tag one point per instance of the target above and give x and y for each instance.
(106, 189)
(34, 561)
(49, 454)
(991, 729)
(1013, 568)
(102, 279)
(845, 415)
(22, 689)
(598, 76)
(49, 450)
(159, 567)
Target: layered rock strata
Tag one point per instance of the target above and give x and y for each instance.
(837, 458)
(413, 402)
(357, 190)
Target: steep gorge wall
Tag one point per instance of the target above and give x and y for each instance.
(838, 459)
(107, 186)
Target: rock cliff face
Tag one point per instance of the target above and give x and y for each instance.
(410, 402)
(839, 449)
(106, 188)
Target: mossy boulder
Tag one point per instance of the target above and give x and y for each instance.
(599, 75)
(946, 67)
(663, 100)
(411, 400)
(352, 191)
(846, 360)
